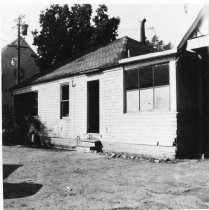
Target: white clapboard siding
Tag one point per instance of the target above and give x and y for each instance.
(149, 128)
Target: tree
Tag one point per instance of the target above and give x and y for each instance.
(81, 28)
(159, 44)
(105, 29)
(67, 33)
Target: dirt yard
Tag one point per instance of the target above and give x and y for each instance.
(50, 179)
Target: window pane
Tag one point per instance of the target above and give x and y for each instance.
(132, 80)
(146, 77)
(64, 108)
(162, 98)
(161, 74)
(65, 92)
(132, 100)
(146, 99)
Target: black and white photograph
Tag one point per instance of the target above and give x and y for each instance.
(105, 105)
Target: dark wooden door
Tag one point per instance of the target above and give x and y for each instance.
(93, 106)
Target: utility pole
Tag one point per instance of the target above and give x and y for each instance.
(24, 27)
(18, 49)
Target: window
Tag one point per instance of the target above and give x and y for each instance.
(147, 88)
(64, 100)
(132, 87)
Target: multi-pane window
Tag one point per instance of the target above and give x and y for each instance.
(64, 103)
(147, 88)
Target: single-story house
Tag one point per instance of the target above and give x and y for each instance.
(130, 98)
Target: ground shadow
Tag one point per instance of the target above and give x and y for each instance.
(8, 169)
(19, 190)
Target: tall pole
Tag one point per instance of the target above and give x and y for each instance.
(18, 50)
(24, 27)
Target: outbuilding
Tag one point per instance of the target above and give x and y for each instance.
(130, 98)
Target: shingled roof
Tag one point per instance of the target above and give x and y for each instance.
(23, 44)
(102, 58)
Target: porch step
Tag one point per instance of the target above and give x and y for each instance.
(91, 136)
(89, 143)
(85, 149)
(93, 140)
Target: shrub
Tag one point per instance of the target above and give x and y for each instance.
(24, 130)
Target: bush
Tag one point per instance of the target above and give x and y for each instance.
(14, 130)
(24, 131)
(36, 131)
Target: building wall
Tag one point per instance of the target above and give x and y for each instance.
(205, 104)
(8, 72)
(189, 106)
(148, 128)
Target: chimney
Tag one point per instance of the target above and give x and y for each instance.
(142, 31)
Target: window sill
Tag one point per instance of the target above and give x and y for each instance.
(65, 118)
(155, 112)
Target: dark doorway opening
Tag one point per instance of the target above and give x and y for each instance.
(204, 109)
(26, 104)
(93, 106)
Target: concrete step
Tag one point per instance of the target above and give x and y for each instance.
(85, 149)
(93, 136)
(88, 143)
(93, 140)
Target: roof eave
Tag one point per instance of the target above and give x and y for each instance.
(149, 56)
(89, 71)
(193, 26)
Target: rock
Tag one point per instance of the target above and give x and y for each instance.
(113, 155)
(124, 156)
(118, 156)
(18, 145)
(132, 157)
(156, 161)
(69, 189)
(194, 161)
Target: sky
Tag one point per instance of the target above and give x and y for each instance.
(169, 20)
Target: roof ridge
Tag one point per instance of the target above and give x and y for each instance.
(15, 40)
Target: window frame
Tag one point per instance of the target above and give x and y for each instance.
(153, 88)
(64, 101)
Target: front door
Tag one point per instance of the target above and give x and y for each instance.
(93, 106)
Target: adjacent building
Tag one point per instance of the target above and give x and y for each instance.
(9, 70)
